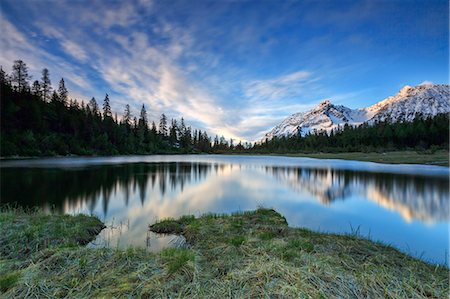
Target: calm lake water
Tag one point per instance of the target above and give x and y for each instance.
(403, 205)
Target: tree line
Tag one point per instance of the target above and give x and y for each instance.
(422, 134)
(38, 120)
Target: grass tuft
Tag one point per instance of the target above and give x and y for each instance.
(7, 281)
(300, 245)
(24, 232)
(177, 258)
(237, 240)
(167, 226)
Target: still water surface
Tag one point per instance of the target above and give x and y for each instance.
(403, 205)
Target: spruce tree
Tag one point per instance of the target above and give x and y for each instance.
(143, 121)
(36, 88)
(173, 138)
(153, 129)
(20, 75)
(62, 90)
(163, 125)
(46, 85)
(127, 115)
(93, 106)
(106, 108)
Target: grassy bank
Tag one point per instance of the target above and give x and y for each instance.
(251, 254)
(399, 157)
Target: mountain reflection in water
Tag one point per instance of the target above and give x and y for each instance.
(406, 210)
(414, 197)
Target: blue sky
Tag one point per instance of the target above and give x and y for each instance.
(233, 68)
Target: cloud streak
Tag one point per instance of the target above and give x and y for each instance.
(233, 69)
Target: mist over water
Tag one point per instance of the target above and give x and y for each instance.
(403, 205)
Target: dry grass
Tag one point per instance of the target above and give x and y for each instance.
(252, 254)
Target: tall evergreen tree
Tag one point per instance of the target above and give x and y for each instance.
(143, 121)
(20, 75)
(63, 93)
(93, 106)
(163, 125)
(106, 108)
(173, 136)
(36, 88)
(153, 129)
(127, 115)
(46, 85)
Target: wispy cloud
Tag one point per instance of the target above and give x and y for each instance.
(15, 45)
(140, 70)
(231, 68)
(280, 87)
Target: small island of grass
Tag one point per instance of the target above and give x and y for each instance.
(249, 254)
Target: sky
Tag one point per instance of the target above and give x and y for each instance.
(232, 68)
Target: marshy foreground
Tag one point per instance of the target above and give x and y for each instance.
(250, 254)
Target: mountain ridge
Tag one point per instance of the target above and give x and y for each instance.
(427, 100)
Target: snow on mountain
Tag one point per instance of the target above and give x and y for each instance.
(426, 100)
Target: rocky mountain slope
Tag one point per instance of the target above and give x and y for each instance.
(427, 100)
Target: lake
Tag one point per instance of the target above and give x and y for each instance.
(406, 206)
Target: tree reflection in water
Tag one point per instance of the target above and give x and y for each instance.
(62, 189)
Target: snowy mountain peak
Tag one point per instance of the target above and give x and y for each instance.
(324, 104)
(405, 90)
(426, 100)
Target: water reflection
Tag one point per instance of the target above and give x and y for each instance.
(414, 197)
(62, 189)
(407, 210)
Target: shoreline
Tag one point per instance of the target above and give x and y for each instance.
(253, 253)
(438, 158)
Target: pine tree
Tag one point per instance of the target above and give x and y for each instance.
(216, 142)
(143, 121)
(20, 75)
(163, 125)
(62, 90)
(153, 129)
(36, 88)
(196, 140)
(93, 106)
(106, 108)
(127, 115)
(173, 138)
(182, 126)
(46, 85)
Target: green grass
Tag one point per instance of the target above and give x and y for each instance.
(176, 259)
(440, 157)
(249, 255)
(8, 280)
(24, 232)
